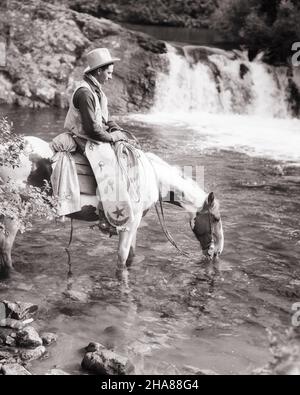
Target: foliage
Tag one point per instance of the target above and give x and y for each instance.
(272, 26)
(188, 13)
(23, 203)
(12, 145)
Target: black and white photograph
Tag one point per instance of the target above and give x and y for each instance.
(149, 190)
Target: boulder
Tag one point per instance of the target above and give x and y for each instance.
(107, 362)
(29, 338)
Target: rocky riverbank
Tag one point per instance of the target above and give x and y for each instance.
(45, 53)
(21, 344)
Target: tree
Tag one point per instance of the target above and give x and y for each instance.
(260, 25)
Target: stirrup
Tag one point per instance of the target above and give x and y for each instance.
(104, 226)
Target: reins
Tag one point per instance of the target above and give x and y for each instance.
(162, 221)
(161, 217)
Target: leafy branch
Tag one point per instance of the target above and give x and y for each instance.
(22, 203)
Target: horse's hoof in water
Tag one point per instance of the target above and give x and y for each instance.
(122, 274)
(7, 272)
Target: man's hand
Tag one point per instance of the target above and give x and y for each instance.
(118, 136)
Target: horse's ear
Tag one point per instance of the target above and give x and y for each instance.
(211, 199)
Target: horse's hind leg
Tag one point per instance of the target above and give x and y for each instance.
(8, 233)
(125, 239)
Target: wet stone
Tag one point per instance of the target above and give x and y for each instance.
(10, 341)
(31, 355)
(15, 370)
(93, 346)
(48, 338)
(107, 362)
(14, 324)
(19, 310)
(5, 355)
(28, 337)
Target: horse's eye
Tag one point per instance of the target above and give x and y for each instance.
(216, 219)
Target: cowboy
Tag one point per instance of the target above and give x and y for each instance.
(88, 117)
(95, 134)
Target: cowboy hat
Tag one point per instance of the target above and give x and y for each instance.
(98, 58)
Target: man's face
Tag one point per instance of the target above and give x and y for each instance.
(105, 74)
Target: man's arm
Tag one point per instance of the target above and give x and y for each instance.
(85, 103)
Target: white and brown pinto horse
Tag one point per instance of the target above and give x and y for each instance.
(156, 178)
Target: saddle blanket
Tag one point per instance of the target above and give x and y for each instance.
(117, 182)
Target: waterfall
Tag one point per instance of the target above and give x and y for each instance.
(202, 79)
(220, 99)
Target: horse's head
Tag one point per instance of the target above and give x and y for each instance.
(207, 227)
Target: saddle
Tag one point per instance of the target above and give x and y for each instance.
(86, 178)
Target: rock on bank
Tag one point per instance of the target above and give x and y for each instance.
(45, 56)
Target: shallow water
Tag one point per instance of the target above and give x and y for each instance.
(176, 314)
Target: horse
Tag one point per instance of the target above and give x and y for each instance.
(157, 177)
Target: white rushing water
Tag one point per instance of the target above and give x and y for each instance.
(230, 102)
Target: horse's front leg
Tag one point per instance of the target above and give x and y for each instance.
(125, 240)
(8, 232)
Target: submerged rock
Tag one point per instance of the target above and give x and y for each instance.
(107, 362)
(196, 371)
(77, 296)
(206, 372)
(57, 372)
(48, 338)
